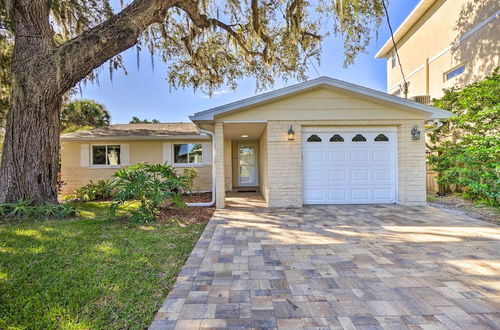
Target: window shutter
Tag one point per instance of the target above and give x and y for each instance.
(207, 153)
(125, 154)
(167, 153)
(84, 155)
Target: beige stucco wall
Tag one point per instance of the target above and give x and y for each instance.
(281, 175)
(263, 165)
(75, 175)
(444, 23)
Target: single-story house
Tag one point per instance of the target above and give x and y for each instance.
(323, 141)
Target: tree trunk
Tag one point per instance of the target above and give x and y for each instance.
(41, 73)
(31, 148)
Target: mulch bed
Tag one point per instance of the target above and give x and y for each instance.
(189, 214)
(463, 206)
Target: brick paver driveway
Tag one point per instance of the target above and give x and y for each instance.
(351, 267)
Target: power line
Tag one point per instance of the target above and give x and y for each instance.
(405, 83)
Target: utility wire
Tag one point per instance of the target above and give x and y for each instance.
(405, 84)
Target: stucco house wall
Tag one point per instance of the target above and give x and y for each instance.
(74, 175)
(282, 186)
(447, 34)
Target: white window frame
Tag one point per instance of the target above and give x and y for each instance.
(174, 164)
(445, 75)
(92, 165)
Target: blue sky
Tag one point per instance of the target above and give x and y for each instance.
(146, 94)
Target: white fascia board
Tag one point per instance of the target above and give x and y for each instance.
(137, 138)
(433, 113)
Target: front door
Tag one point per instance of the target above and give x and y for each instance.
(247, 165)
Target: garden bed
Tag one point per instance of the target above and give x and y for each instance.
(463, 206)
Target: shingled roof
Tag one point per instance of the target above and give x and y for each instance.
(138, 131)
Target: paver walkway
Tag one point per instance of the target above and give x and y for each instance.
(339, 267)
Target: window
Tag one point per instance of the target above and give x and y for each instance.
(106, 155)
(358, 138)
(455, 72)
(381, 138)
(188, 153)
(393, 59)
(314, 138)
(336, 138)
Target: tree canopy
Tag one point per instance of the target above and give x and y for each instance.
(136, 120)
(84, 113)
(205, 44)
(467, 148)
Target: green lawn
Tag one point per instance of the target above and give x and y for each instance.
(88, 272)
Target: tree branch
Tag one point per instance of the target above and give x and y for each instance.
(77, 57)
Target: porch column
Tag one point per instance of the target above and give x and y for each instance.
(220, 187)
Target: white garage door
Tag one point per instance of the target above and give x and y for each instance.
(354, 166)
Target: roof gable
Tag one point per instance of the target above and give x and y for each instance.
(352, 90)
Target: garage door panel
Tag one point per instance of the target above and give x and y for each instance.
(337, 195)
(359, 155)
(337, 156)
(382, 155)
(360, 176)
(337, 176)
(314, 196)
(347, 172)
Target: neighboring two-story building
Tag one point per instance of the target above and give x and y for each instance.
(441, 44)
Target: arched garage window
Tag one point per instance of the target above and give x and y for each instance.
(336, 138)
(358, 138)
(314, 138)
(381, 138)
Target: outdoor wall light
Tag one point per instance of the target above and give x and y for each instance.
(415, 133)
(291, 134)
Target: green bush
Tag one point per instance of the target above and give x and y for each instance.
(24, 209)
(151, 185)
(92, 191)
(466, 150)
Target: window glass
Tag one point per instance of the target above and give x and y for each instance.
(314, 138)
(113, 155)
(195, 153)
(180, 153)
(189, 153)
(336, 138)
(455, 72)
(381, 138)
(393, 59)
(358, 138)
(99, 155)
(106, 155)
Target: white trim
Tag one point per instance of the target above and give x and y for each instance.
(209, 115)
(174, 164)
(448, 48)
(184, 165)
(256, 150)
(101, 166)
(135, 138)
(313, 129)
(410, 20)
(244, 121)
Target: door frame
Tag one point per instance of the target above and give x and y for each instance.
(256, 148)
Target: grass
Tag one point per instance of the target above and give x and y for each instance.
(88, 272)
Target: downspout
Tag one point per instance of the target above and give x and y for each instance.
(212, 202)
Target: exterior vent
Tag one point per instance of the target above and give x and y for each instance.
(424, 99)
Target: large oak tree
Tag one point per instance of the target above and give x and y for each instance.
(206, 44)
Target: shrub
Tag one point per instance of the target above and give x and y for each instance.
(466, 149)
(23, 209)
(92, 191)
(151, 185)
